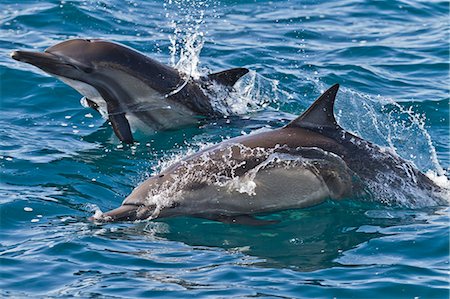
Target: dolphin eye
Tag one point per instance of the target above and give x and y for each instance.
(85, 69)
(88, 70)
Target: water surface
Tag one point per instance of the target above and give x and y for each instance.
(60, 162)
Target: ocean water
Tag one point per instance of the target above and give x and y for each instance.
(60, 162)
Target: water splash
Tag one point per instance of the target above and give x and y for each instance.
(251, 93)
(400, 128)
(220, 172)
(187, 20)
(233, 173)
(386, 123)
(402, 185)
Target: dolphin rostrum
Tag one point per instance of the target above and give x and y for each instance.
(128, 88)
(302, 164)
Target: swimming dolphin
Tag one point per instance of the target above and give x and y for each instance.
(302, 164)
(128, 88)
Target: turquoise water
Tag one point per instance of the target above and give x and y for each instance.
(60, 162)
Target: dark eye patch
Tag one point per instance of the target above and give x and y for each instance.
(88, 70)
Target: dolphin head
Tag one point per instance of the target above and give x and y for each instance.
(89, 60)
(138, 206)
(112, 78)
(70, 59)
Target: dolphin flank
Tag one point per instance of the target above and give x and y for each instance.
(128, 88)
(308, 161)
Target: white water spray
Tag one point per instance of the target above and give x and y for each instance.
(187, 20)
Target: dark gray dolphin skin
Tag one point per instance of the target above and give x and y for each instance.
(302, 164)
(128, 88)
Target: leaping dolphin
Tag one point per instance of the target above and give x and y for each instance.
(302, 164)
(128, 88)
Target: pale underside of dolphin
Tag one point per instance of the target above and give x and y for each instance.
(310, 160)
(128, 88)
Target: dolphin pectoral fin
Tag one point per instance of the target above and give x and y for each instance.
(121, 127)
(228, 77)
(92, 104)
(241, 219)
(320, 114)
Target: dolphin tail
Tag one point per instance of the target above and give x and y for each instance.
(228, 77)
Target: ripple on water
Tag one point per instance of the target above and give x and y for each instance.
(58, 165)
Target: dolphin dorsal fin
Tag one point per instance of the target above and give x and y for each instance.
(320, 114)
(228, 77)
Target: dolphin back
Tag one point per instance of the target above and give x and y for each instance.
(373, 165)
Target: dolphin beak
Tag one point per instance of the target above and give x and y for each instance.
(122, 213)
(125, 212)
(35, 58)
(51, 63)
(47, 62)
